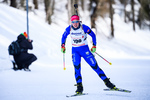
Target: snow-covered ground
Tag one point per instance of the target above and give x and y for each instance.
(129, 53)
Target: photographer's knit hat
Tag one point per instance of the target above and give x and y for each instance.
(25, 34)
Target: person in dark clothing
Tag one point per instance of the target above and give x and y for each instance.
(24, 59)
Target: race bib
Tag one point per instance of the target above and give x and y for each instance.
(78, 37)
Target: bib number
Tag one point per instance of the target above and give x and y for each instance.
(77, 41)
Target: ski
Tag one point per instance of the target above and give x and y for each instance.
(74, 95)
(118, 89)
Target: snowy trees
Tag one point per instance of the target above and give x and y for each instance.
(102, 8)
(136, 11)
(144, 14)
(138, 14)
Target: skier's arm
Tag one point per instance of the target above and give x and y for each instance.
(90, 32)
(65, 34)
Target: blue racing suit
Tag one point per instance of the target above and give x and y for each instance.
(80, 49)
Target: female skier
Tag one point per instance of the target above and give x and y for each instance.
(78, 33)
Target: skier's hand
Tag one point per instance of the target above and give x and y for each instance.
(93, 49)
(63, 49)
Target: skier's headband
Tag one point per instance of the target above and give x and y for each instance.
(25, 34)
(74, 17)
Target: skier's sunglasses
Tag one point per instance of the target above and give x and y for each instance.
(75, 21)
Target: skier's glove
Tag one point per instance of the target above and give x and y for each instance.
(93, 49)
(63, 49)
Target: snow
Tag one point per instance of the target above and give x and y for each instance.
(129, 53)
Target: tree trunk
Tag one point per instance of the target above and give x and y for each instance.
(125, 12)
(111, 17)
(139, 18)
(13, 3)
(46, 3)
(71, 9)
(133, 20)
(94, 14)
(50, 10)
(35, 2)
(22, 3)
(82, 4)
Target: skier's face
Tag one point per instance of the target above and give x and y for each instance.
(75, 23)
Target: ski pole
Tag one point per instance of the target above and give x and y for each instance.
(103, 58)
(64, 61)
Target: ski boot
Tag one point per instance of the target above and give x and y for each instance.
(26, 68)
(79, 88)
(109, 84)
(14, 66)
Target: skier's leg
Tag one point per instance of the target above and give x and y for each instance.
(76, 62)
(76, 58)
(89, 58)
(92, 62)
